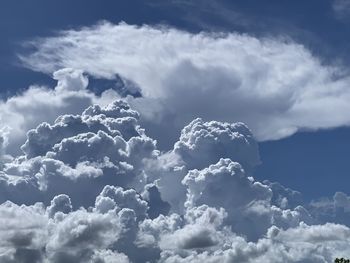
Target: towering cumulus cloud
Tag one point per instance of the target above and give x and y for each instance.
(92, 186)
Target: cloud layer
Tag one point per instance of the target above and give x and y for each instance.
(94, 187)
(275, 86)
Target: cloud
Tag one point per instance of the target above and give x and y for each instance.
(112, 197)
(336, 209)
(36, 105)
(200, 145)
(217, 140)
(60, 203)
(80, 234)
(80, 153)
(23, 231)
(93, 187)
(247, 203)
(275, 86)
(277, 248)
(87, 183)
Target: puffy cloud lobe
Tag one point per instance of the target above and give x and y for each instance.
(70, 79)
(200, 231)
(201, 144)
(58, 234)
(113, 119)
(121, 199)
(60, 203)
(248, 203)
(225, 185)
(80, 153)
(36, 105)
(274, 85)
(204, 143)
(108, 256)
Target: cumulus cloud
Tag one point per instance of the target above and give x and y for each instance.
(275, 86)
(204, 143)
(87, 182)
(80, 153)
(23, 232)
(200, 145)
(278, 246)
(336, 209)
(36, 105)
(248, 203)
(93, 187)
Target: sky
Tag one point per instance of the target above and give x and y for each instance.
(132, 130)
(321, 26)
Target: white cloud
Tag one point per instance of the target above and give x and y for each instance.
(25, 111)
(301, 244)
(204, 143)
(91, 186)
(103, 160)
(275, 86)
(248, 203)
(121, 199)
(80, 153)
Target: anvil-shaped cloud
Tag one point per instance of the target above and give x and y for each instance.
(274, 85)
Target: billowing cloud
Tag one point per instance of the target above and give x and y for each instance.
(204, 143)
(87, 181)
(36, 105)
(93, 187)
(80, 153)
(274, 85)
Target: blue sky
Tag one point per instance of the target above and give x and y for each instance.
(304, 158)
